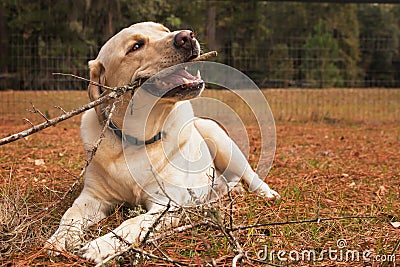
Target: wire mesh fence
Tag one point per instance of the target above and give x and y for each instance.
(279, 63)
(292, 62)
(305, 73)
(32, 64)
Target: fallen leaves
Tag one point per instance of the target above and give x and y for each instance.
(357, 174)
(39, 162)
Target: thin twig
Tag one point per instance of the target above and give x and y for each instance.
(60, 108)
(93, 151)
(315, 220)
(161, 185)
(35, 110)
(155, 223)
(160, 250)
(143, 253)
(238, 250)
(28, 121)
(231, 200)
(176, 230)
(84, 79)
(152, 256)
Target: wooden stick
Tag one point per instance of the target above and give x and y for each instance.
(205, 56)
(116, 93)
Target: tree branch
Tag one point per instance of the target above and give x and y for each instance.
(116, 93)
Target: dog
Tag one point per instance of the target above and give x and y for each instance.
(159, 155)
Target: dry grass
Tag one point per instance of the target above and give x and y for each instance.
(345, 163)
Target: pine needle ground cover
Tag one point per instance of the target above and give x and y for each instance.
(338, 175)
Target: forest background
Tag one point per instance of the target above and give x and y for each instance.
(278, 44)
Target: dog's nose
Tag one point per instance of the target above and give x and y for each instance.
(185, 39)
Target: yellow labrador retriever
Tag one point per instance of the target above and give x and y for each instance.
(164, 157)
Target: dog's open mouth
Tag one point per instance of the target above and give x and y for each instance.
(175, 82)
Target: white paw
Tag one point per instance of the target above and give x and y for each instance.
(236, 188)
(100, 248)
(264, 191)
(53, 246)
(62, 241)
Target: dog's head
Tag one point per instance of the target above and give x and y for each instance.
(141, 51)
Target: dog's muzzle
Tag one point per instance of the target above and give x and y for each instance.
(176, 82)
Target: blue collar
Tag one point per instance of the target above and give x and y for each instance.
(133, 140)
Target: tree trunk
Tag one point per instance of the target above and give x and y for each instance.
(3, 42)
(210, 30)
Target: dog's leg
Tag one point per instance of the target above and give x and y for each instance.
(131, 231)
(85, 212)
(229, 158)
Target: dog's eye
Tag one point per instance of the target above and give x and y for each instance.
(135, 47)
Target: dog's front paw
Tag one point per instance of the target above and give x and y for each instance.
(267, 192)
(53, 246)
(271, 194)
(100, 248)
(62, 241)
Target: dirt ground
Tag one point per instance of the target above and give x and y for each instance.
(339, 182)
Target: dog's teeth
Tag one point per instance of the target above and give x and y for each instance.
(198, 75)
(185, 81)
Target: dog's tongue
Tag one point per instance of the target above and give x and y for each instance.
(178, 78)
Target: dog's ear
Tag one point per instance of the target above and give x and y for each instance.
(96, 75)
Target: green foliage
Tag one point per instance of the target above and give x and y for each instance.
(381, 23)
(321, 53)
(281, 65)
(327, 44)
